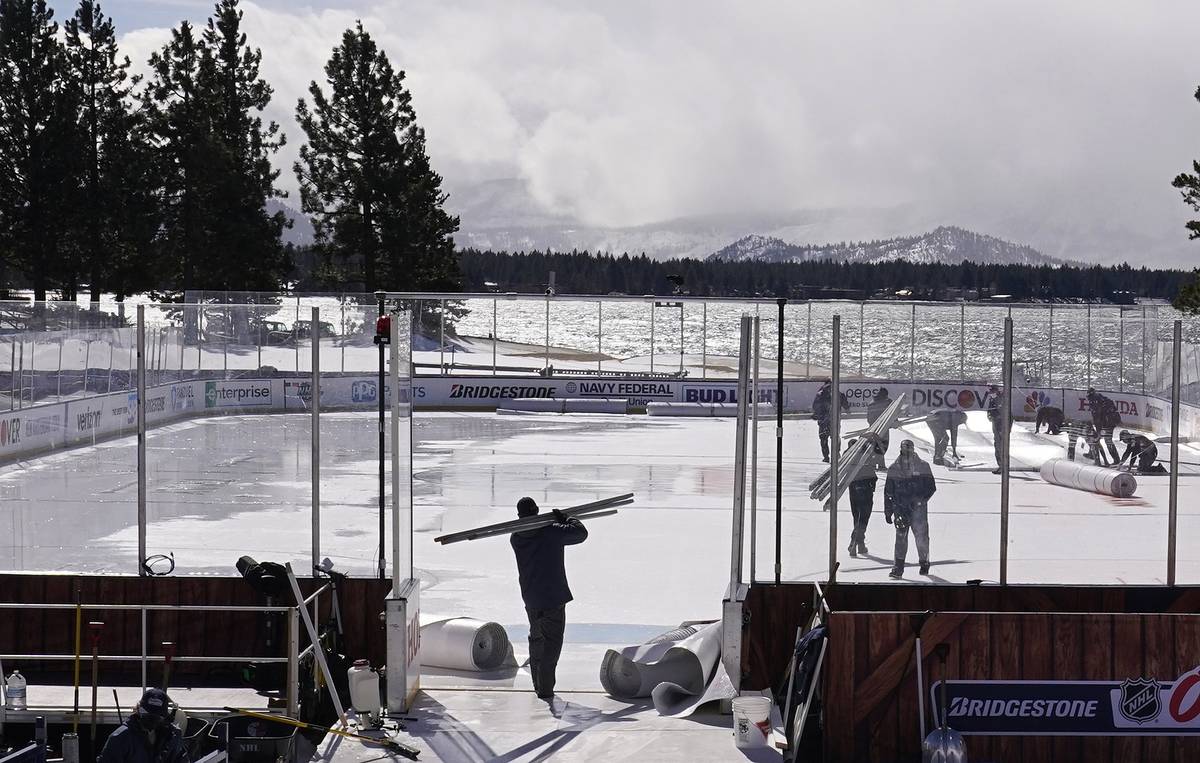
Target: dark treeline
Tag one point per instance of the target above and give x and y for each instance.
(586, 273)
(112, 183)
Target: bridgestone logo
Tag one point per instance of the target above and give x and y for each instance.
(1023, 708)
(485, 392)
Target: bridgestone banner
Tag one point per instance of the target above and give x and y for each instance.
(1133, 707)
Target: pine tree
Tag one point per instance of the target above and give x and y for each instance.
(248, 253)
(187, 156)
(1188, 298)
(365, 177)
(37, 127)
(115, 219)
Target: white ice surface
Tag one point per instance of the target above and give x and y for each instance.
(223, 487)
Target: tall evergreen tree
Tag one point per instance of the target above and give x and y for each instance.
(365, 177)
(37, 126)
(179, 109)
(248, 252)
(115, 216)
(1188, 299)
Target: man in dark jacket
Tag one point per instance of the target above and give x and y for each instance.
(944, 426)
(1052, 416)
(874, 411)
(906, 497)
(822, 412)
(544, 588)
(146, 736)
(995, 414)
(862, 499)
(1106, 418)
(1141, 453)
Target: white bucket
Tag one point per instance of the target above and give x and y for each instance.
(751, 721)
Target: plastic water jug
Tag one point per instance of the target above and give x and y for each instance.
(15, 691)
(364, 687)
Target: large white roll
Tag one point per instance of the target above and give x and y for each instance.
(463, 643)
(1094, 479)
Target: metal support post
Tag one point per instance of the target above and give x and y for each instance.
(912, 345)
(293, 663)
(1121, 351)
(343, 338)
(141, 438)
(495, 335)
(316, 441)
(1005, 425)
(442, 335)
(835, 450)
(962, 341)
(779, 402)
(145, 679)
(58, 377)
(87, 361)
(861, 328)
(808, 344)
(651, 337)
(1050, 350)
(1144, 342)
(599, 336)
(739, 458)
(754, 460)
(704, 341)
(401, 568)
(681, 304)
(12, 372)
(1089, 345)
(547, 347)
(1173, 496)
(382, 423)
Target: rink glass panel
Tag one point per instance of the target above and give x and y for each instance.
(66, 381)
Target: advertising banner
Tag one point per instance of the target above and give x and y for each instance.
(32, 429)
(240, 393)
(1132, 707)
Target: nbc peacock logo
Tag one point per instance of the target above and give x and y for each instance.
(1035, 400)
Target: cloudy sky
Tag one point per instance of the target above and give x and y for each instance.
(1049, 122)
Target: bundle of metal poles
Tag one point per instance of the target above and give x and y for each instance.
(602, 508)
(856, 456)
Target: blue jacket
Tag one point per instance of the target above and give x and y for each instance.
(129, 744)
(540, 564)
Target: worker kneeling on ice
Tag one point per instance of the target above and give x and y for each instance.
(147, 735)
(1141, 453)
(906, 497)
(543, 577)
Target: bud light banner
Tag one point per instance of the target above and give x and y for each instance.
(1134, 707)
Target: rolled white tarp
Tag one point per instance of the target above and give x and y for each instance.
(678, 669)
(1094, 479)
(464, 643)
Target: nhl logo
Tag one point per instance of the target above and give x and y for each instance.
(1139, 700)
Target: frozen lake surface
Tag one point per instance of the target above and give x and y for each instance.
(227, 486)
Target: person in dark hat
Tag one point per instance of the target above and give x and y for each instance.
(822, 412)
(1141, 453)
(943, 425)
(543, 578)
(876, 409)
(1106, 418)
(147, 735)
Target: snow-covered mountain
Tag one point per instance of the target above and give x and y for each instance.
(945, 244)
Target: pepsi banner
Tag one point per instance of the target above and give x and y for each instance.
(1133, 707)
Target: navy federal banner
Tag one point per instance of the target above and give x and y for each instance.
(1132, 707)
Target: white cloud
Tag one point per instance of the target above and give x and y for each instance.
(625, 113)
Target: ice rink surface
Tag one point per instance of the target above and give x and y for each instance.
(227, 486)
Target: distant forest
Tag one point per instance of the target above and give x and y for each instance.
(587, 273)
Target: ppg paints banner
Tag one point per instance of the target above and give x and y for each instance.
(1135, 706)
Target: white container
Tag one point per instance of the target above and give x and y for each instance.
(364, 688)
(751, 721)
(14, 691)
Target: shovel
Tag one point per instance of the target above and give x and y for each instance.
(944, 744)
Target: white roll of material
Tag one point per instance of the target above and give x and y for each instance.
(1094, 479)
(463, 643)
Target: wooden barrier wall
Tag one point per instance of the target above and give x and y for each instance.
(871, 693)
(775, 611)
(33, 631)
